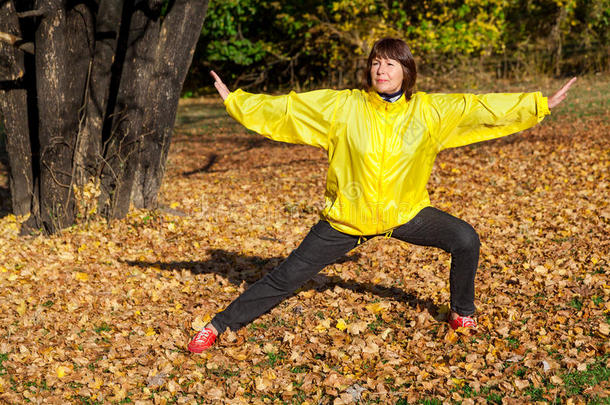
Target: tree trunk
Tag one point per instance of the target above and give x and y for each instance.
(135, 58)
(108, 75)
(557, 36)
(13, 104)
(174, 54)
(88, 154)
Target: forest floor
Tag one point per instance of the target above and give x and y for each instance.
(102, 312)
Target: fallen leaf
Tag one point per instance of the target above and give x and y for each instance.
(522, 384)
(341, 325)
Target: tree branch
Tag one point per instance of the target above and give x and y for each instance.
(31, 13)
(17, 42)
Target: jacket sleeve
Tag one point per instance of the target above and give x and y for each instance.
(462, 119)
(303, 118)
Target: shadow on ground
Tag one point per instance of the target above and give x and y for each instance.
(238, 268)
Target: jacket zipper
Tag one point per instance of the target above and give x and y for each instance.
(381, 172)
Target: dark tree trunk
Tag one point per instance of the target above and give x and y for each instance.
(13, 106)
(88, 156)
(169, 72)
(135, 58)
(95, 106)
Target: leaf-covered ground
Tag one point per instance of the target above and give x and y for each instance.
(102, 312)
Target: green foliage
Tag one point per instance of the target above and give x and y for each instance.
(229, 31)
(315, 43)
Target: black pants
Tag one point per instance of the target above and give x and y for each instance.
(323, 245)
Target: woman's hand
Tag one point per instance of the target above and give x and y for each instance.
(223, 90)
(558, 97)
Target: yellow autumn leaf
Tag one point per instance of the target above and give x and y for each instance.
(61, 371)
(377, 307)
(174, 205)
(307, 294)
(21, 307)
(238, 355)
(80, 276)
(150, 332)
(96, 384)
(540, 270)
(459, 382)
(341, 325)
(323, 325)
(199, 323)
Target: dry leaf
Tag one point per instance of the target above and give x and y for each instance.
(78, 305)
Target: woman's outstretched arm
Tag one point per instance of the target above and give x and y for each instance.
(304, 118)
(461, 119)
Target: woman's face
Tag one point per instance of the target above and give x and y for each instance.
(386, 75)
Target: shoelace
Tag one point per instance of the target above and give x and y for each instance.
(203, 335)
(467, 322)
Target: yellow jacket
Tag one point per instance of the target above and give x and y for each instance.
(380, 153)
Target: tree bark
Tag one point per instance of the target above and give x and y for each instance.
(88, 159)
(13, 104)
(63, 57)
(179, 34)
(99, 102)
(136, 59)
(558, 40)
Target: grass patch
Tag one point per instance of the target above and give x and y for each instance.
(273, 357)
(576, 304)
(104, 327)
(577, 381)
(258, 326)
(513, 342)
(3, 356)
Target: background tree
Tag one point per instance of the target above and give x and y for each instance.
(294, 44)
(89, 91)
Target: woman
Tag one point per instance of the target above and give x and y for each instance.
(381, 145)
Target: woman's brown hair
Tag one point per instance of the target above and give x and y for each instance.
(397, 49)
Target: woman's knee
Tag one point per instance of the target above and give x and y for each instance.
(466, 239)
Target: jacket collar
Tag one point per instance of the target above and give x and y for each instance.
(380, 104)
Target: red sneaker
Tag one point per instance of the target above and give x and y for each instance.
(464, 322)
(202, 340)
